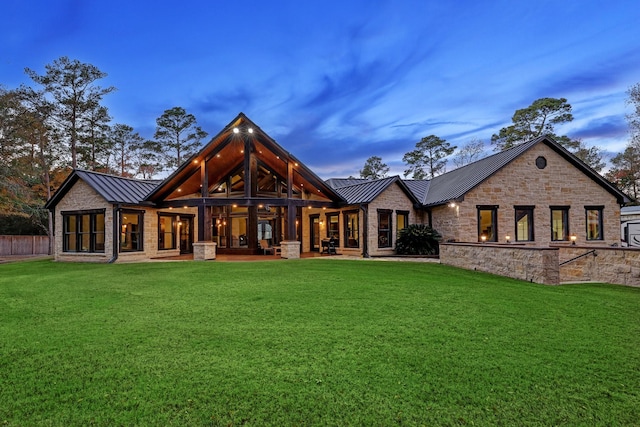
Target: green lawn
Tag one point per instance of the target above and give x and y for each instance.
(311, 342)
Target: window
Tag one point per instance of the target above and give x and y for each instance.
(333, 226)
(594, 222)
(351, 229)
(131, 225)
(83, 231)
(166, 231)
(384, 228)
(524, 223)
(559, 223)
(488, 223)
(402, 220)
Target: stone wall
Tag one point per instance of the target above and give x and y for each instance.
(522, 183)
(606, 265)
(82, 197)
(538, 265)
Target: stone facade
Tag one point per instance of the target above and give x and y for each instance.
(82, 197)
(537, 265)
(392, 199)
(522, 183)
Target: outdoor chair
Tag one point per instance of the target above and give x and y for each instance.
(267, 248)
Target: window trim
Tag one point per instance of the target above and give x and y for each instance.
(531, 228)
(600, 209)
(494, 221)
(140, 233)
(92, 232)
(328, 217)
(385, 241)
(565, 222)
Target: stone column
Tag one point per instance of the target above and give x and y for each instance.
(203, 251)
(290, 249)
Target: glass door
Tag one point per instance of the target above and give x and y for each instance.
(315, 233)
(186, 235)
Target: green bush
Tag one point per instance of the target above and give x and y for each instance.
(418, 239)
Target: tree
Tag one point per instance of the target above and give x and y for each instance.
(592, 156)
(178, 135)
(429, 157)
(374, 168)
(96, 145)
(633, 118)
(469, 153)
(536, 120)
(71, 84)
(625, 171)
(126, 145)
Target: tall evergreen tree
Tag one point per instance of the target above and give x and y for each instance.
(72, 86)
(429, 158)
(178, 135)
(374, 168)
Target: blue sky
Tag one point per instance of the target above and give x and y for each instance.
(335, 82)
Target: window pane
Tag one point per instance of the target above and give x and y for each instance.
(351, 230)
(130, 233)
(98, 232)
(166, 225)
(402, 221)
(524, 225)
(333, 230)
(559, 227)
(487, 224)
(594, 224)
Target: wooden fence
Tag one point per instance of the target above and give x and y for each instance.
(24, 245)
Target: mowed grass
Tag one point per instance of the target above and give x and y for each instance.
(311, 342)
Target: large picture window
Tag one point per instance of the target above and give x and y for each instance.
(524, 223)
(351, 229)
(559, 223)
(384, 228)
(166, 232)
(131, 226)
(83, 231)
(594, 222)
(488, 223)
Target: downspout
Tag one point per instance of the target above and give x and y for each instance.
(116, 236)
(365, 231)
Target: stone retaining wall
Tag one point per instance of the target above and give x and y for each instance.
(538, 265)
(606, 265)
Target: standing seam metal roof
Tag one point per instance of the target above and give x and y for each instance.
(117, 189)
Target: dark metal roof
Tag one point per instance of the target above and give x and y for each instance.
(114, 189)
(336, 183)
(365, 190)
(419, 188)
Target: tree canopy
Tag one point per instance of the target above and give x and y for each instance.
(429, 157)
(538, 119)
(178, 135)
(374, 168)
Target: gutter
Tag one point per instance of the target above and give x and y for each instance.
(114, 222)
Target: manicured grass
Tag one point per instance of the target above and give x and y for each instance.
(311, 342)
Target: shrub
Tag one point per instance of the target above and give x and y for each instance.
(418, 239)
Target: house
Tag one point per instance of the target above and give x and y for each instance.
(243, 188)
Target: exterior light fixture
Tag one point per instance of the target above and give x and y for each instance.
(452, 205)
(483, 238)
(236, 130)
(507, 238)
(250, 130)
(321, 222)
(573, 239)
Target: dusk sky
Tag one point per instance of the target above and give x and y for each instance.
(335, 82)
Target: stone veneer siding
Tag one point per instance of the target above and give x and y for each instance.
(82, 197)
(521, 183)
(538, 265)
(392, 198)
